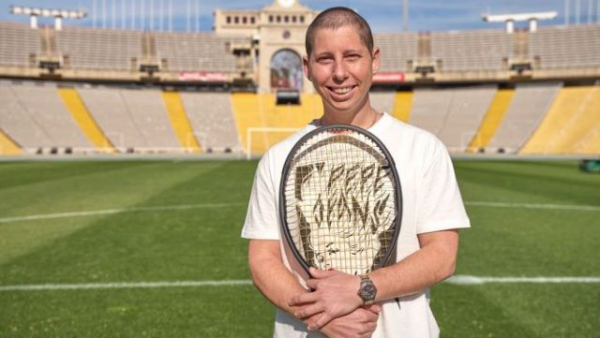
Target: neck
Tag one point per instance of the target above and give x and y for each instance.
(364, 119)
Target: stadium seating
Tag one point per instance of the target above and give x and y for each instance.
(470, 50)
(569, 125)
(194, 52)
(134, 120)
(452, 114)
(211, 118)
(148, 112)
(35, 117)
(566, 47)
(16, 122)
(533, 118)
(525, 112)
(180, 121)
(383, 101)
(260, 111)
(20, 45)
(85, 121)
(398, 50)
(403, 102)
(95, 49)
(492, 120)
(8, 146)
(110, 112)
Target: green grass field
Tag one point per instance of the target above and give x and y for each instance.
(88, 223)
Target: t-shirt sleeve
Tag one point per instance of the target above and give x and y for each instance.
(440, 203)
(261, 218)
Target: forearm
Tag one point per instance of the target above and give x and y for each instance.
(434, 262)
(270, 276)
(279, 286)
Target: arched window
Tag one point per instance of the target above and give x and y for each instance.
(286, 70)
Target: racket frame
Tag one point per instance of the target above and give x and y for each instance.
(286, 171)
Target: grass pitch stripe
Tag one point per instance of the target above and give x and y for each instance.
(138, 285)
(458, 280)
(116, 211)
(535, 206)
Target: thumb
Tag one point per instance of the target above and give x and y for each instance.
(318, 274)
(374, 308)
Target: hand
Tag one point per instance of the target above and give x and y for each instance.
(361, 323)
(335, 295)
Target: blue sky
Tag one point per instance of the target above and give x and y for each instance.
(383, 15)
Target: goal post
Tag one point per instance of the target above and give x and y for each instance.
(253, 132)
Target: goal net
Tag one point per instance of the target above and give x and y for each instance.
(260, 139)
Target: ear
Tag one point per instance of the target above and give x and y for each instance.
(376, 59)
(306, 68)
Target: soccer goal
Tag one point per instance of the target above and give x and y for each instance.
(260, 139)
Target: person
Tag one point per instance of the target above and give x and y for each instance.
(340, 61)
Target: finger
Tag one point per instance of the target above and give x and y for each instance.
(308, 311)
(374, 308)
(369, 317)
(369, 330)
(325, 318)
(312, 283)
(303, 299)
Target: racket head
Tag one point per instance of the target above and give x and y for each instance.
(341, 200)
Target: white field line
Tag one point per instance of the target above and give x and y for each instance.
(84, 213)
(535, 206)
(459, 280)
(474, 280)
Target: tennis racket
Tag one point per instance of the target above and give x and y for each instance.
(340, 201)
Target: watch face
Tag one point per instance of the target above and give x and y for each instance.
(368, 291)
(286, 3)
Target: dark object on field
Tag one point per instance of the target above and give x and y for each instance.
(590, 166)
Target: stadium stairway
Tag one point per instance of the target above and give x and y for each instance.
(570, 124)
(260, 111)
(492, 120)
(402, 105)
(7, 146)
(524, 115)
(180, 122)
(76, 107)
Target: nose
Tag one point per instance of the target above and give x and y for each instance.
(339, 72)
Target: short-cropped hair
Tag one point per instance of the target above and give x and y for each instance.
(337, 17)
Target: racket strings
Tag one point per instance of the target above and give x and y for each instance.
(340, 203)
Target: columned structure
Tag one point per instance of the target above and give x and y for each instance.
(278, 32)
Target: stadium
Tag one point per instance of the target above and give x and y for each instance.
(127, 156)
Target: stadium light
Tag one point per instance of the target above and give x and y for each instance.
(58, 15)
(510, 19)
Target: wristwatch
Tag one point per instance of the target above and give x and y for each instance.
(367, 290)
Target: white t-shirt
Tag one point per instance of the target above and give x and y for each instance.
(431, 202)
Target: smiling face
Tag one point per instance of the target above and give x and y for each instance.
(341, 68)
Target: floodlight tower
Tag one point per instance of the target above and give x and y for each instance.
(58, 15)
(511, 18)
(405, 14)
